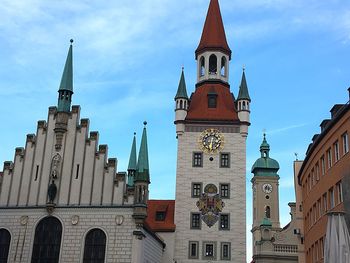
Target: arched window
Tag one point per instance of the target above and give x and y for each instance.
(47, 241)
(267, 212)
(202, 66)
(95, 246)
(5, 239)
(213, 64)
(180, 104)
(223, 66)
(244, 108)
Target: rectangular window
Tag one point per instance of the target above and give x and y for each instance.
(193, 250)
(309, 182)
(212, 100)
(196, 189)
(336, 151)
(324, 201)
(225, 251)
(345, 140)
(317, 171)
(225, 190)
(319, 208)
(323, 165)
(195, 221)
(160, 216)
(313, 177)
(331, 198)
(329, 158)
(340, 192)
(224, 160)
(209, 250)
(36, 173)
(314, 213)
(197, 159)
(224, 222)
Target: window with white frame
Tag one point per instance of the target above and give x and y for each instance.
(345, 140)
(329, 158)
(336, 151)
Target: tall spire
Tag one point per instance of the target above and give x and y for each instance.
(213, 35)
(133, 158)
(181, 90)
(142, 169)
(132, 162)
(243, 89)
(66, 87)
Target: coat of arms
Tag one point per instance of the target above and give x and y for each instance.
(210, 205)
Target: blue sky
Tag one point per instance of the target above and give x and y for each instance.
(127, 62)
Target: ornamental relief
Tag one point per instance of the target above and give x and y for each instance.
(210, 205)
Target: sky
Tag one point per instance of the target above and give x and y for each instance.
(127, 58)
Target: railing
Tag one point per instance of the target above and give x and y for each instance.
(286, 248)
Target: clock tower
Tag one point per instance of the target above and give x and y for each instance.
(212, 128)
(265, 198)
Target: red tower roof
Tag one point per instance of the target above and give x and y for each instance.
(224, 111)
(213, 35)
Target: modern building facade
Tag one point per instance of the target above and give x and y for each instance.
(62, 199)
(320, 177)
(211, 128)
(271, 243)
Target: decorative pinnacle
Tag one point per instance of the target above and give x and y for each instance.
(71, 41)
(243, 67)
(145, 123)
(134, 133)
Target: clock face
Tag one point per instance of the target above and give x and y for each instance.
(267, 188)
(211, 141)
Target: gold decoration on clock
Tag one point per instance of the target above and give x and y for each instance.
(211, 141)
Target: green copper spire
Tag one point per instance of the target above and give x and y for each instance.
(265, 166)
(181, 90)
(66, 87)
(133, 159)
(264, 147)
(243, 89)
(142, 169)
(132, 162)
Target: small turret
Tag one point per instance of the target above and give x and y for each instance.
(65, 93)
(181, 105)
(141, 181)
(243, 105)
(132, 163)
(66, 87)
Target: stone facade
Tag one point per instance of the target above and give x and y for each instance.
(63, 176)
(210, 173)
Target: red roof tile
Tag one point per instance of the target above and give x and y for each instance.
(225, 110)
(167, 206)
(213, 35)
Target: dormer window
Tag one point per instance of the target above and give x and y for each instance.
(160, 216)
(212, 99)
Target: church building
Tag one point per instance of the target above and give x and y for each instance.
(271, 243)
